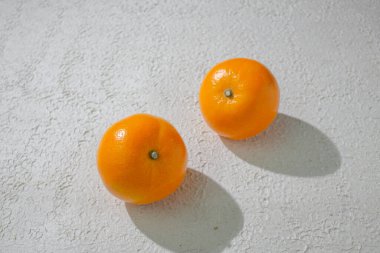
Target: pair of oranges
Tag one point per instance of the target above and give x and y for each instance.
(142, 158)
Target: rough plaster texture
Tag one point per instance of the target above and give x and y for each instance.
(311, 183)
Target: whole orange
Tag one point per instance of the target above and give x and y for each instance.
(239, 98)
(142, 159)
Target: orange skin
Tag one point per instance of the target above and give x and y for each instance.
(125, 160)
(239, 98)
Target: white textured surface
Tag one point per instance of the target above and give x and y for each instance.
(311, 183)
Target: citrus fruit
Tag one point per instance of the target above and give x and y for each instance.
(142, 159)
(239, 98)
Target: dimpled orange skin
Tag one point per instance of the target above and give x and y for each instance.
(125, 165)
(250, 109)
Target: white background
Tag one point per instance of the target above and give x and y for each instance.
(69, 69)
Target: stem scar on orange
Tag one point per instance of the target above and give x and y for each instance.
(239, 98)
(142, 159)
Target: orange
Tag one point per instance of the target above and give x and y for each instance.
(142, 159)
(239, 98)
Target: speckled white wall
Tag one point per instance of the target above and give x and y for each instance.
(311, 183)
